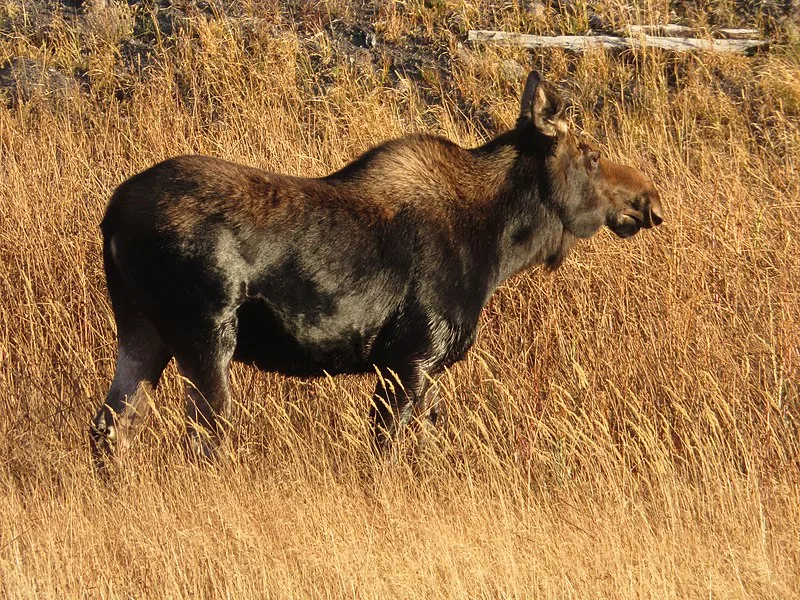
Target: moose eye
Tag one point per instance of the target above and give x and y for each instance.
(594, 159)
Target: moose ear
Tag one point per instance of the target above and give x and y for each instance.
(541, 101)
(527, 95)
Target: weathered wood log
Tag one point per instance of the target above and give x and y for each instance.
(658, 30)
(681, 31)
(575, 43)
(738, 34)
(579, 43)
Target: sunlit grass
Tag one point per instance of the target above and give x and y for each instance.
(626, 427)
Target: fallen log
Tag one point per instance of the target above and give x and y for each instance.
(579, 43)
(681, 31)
(657, 30)
(738, 34)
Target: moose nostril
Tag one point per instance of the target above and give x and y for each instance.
(656, 215)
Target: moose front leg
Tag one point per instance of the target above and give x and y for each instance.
(427, 413)
(205, 368)
(399, 396)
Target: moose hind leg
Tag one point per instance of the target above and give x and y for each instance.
(142, 357)
(206, 370)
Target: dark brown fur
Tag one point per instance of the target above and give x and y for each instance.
(383, 264)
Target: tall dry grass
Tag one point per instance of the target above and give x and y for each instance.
(626, 427)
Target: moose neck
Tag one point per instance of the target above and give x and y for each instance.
(526, 230)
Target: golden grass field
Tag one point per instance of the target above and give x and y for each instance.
(626, 427)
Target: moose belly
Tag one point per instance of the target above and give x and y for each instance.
(303, 345)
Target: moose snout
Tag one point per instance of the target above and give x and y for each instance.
(635, 200)
(640, 207)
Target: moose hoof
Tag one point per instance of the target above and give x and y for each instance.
(103, 440)
(202, 447)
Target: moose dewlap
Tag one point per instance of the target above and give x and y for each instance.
(386, 263)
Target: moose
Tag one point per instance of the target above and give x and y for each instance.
(382, 265)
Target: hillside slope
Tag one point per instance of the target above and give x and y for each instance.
(626, 427)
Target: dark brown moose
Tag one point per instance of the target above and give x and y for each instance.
(384, 264)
